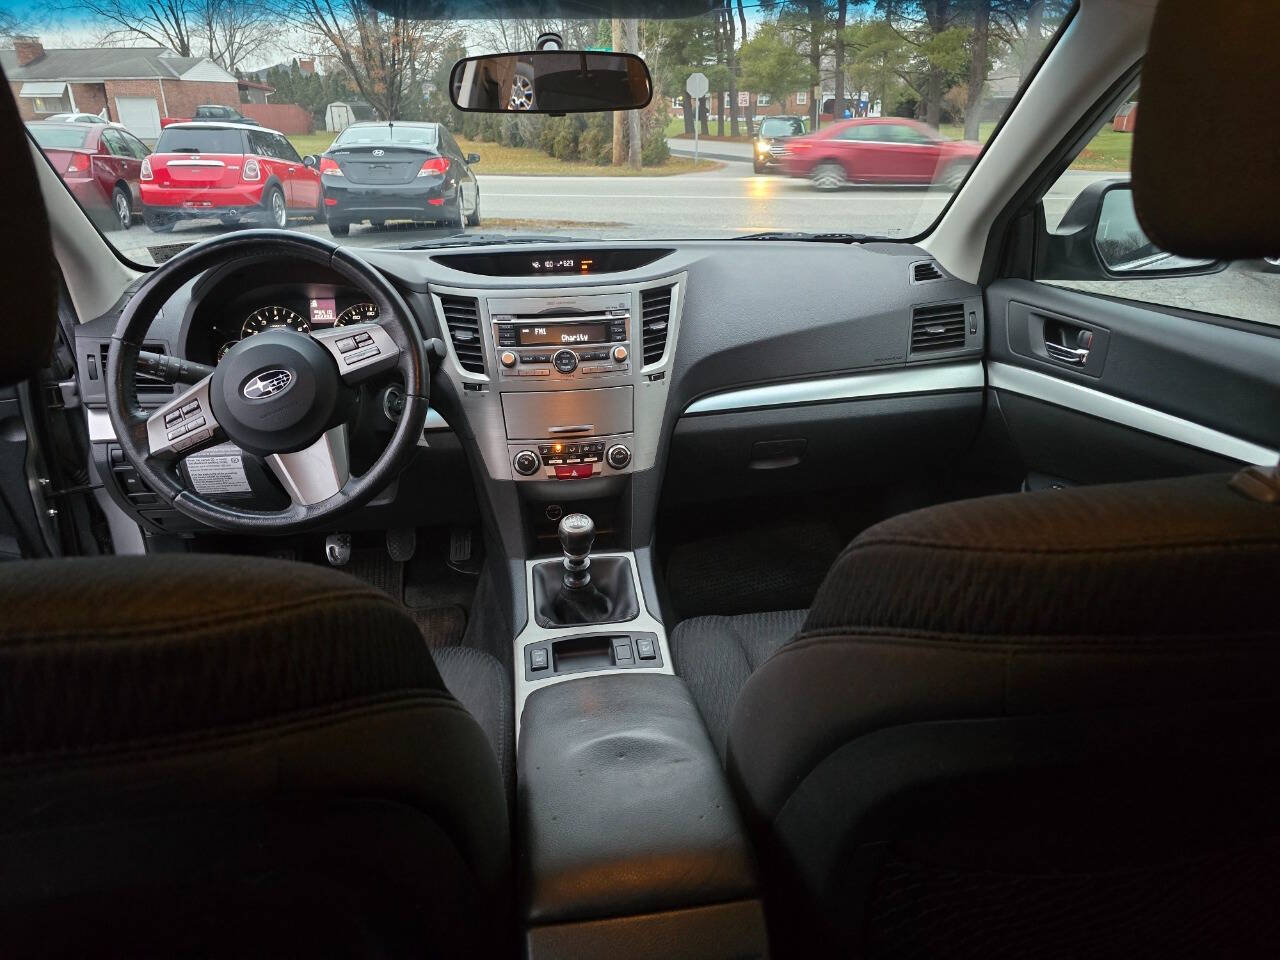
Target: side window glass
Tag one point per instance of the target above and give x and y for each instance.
(261, 144)
(139, 148)
(1094, 243)
(114, 143)
(284, 149)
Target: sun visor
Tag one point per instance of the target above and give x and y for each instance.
(26, 267)
(1206, 152)
(543, 9)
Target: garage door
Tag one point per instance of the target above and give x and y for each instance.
(141, 115)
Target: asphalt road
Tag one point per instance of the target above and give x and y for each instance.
(731, 201)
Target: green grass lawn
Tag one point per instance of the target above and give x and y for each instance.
(1108, 150)
(526, 161)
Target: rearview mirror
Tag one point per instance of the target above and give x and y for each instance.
(550, 81)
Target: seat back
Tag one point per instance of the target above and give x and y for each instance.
(1031, 725)
(229, 756)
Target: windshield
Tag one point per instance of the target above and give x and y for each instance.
(781, 142)
(62, 137)
(386, 133)
(780, 127)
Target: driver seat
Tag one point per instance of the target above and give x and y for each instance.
(225, 756)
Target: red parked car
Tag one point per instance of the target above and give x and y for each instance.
(879, 150)
(230, 171)
(100, 164)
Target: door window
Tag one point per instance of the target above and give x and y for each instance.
(115, 144)
(1093, 189)
(284, 149)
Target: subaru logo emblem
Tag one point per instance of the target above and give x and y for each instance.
(267, 384)
(379, 153)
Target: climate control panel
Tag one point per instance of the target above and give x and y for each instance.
(571, 459)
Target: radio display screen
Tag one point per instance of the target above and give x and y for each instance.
(561, 334)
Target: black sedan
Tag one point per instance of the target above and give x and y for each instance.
(398, 171)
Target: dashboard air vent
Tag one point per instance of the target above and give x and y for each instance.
(147, 384)
(462, 317)
(925, 270)
(655, 310)
(938, 326)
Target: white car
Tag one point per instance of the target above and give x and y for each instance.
(82, 118)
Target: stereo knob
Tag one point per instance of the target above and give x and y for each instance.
(508, 359)
(618, 456)
(566, 361)
(619, 354)
(526, 463)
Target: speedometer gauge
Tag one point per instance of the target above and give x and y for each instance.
(360, 313)
(264, 318)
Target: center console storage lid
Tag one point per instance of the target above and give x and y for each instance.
(624, 804)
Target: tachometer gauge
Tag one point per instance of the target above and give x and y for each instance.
(360, 313)
(264, 318)
(222, 350)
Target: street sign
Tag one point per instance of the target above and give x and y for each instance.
(697, 86)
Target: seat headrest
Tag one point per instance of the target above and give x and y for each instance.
(26, 262)
(1206, 152)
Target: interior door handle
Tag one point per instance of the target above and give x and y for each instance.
(1073, 355)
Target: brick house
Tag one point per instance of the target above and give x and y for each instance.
(136, 86)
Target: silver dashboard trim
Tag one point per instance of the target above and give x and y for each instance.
(1095, 403)
(101, 430)
(967, 375)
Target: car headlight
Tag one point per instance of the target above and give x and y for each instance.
(762, 147)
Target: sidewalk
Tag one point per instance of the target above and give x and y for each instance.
(711, 149)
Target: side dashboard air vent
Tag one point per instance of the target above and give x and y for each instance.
(924, 271)
(462, 317)
(147, 384)
(938, 326)
(655, 318)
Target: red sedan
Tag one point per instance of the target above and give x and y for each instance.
(879, 150)
(100, 164)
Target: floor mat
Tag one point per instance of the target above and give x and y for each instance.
(442, 624)
(769, 566)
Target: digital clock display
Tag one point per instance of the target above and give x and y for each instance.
(561, 265)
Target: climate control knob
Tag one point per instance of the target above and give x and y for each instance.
(620, 354)
(526, 463)
(618, 456)
(508, 359)
(566, 361)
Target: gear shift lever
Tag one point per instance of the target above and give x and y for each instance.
(577, 533)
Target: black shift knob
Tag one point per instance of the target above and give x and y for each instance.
(577, 532)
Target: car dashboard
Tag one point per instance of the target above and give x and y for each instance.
(615, 373)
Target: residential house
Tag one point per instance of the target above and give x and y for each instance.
(136, 86)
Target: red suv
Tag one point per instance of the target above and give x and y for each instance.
(879, 150)
(229, 171)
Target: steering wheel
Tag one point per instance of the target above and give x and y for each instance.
(282, 395)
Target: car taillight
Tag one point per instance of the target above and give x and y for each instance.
(330, 166)
(79, 163)
(146, 173)
(252, 170)
(435, 167)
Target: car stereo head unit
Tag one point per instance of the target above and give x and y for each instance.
(559, 337)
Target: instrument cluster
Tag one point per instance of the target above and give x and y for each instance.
(304, 310)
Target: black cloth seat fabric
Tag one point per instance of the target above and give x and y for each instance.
(1043, 724)
(483, 686)
(242, 756)
(716, 655)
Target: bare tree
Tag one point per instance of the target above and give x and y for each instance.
(977, 84)
(165, 23)
(383, 54)
(236, 31)
(631, 43)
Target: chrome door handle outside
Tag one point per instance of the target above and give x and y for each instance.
(1076, 356)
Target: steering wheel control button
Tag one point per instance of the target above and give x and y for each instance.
(565, 361)
(172, 417)
(618, 456)
(508, 359)
(526, 463)
(620, 354)
(346, 344)
(362, 354)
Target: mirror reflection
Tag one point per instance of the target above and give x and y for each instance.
(550, 81)
(1123, 246)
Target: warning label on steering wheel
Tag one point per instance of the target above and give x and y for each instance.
(219, 469)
